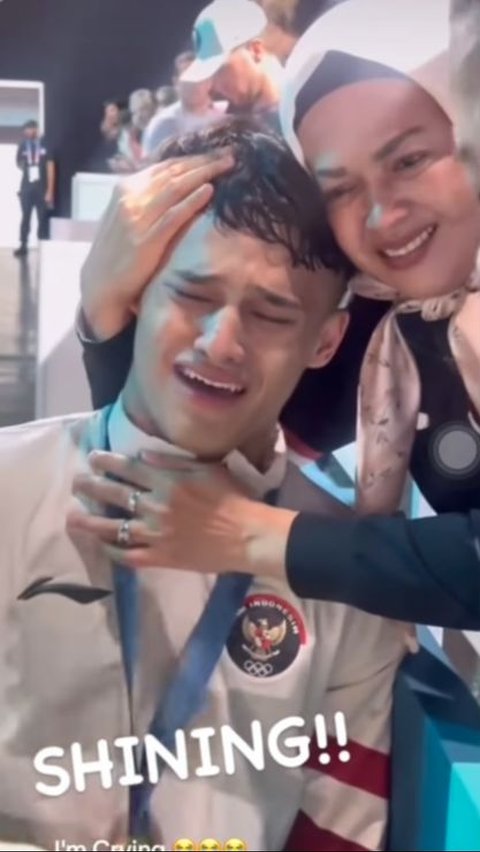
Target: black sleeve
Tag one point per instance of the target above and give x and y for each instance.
(425, 571)
(19, 156)
(334, 388)
(107, 363)
(50, 154)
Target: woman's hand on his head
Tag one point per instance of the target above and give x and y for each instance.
(147, 212)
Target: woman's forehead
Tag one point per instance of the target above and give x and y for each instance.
(367, 113)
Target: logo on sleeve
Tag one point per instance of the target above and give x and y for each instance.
(266, 637)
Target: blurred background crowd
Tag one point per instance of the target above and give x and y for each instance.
(255, 44)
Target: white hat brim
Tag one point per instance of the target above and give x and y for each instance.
(203, 69)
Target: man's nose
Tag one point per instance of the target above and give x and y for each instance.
(221, 337)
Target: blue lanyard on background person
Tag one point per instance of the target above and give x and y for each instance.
(33, 152)
(186, 693)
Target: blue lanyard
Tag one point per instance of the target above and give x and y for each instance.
(33, 151)
(186, 693)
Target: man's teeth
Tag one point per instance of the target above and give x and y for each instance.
(412, 245)
(211, 384)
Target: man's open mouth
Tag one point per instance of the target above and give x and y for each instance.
(202, 383)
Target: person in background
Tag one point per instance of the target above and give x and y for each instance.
(141, 107)
(112, 120)
(231, 53)
(465, 77)
(192, 111)
(288, 20)
(110, 130)
(37, 188)
(180, 64)
(164, 96)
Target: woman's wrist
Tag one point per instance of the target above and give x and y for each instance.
(267, 531)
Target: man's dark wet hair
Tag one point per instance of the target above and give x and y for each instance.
(267, 194)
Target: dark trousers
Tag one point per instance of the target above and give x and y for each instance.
(33, 196)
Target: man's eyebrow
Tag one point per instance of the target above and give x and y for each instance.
(275, 299)
(191, 277)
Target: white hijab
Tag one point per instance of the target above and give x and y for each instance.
(410, 37)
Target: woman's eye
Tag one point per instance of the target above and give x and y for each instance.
(409, 161)
(337, 193)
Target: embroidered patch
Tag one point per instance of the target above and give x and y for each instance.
(266, 637)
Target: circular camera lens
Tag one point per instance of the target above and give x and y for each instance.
(456, 450)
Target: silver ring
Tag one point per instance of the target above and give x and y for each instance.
(133, 500)
(123, 534)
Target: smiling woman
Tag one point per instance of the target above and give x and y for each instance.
(368, 108)
(397, 196)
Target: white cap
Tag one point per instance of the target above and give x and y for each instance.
(219, 29)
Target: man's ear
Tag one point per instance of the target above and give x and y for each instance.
(331, 335)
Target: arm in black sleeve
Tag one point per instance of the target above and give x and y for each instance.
(107, 362)
(425, 571)
(19, 155)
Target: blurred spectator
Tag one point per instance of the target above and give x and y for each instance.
(229, 50)
(37, 188)
(465, 71)
(110, 130)
(192, 111)
(180, 64)
(141, 108)
(288, 20)
(164, 96)
(111, 122)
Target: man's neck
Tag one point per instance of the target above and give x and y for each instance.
(258, 450)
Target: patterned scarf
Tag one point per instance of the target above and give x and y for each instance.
(389, 391)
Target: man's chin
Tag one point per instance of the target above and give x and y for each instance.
(204, 450)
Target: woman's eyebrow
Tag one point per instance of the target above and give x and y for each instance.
(391, 146)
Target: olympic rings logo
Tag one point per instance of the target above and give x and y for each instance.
(258, 669)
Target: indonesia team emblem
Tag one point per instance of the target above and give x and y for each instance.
(266, 637)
